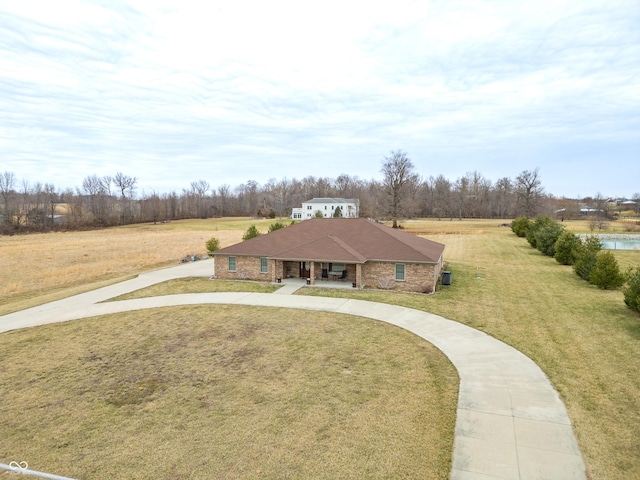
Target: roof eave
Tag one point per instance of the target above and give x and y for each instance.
(323, 260)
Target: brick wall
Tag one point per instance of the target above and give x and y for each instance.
(419, 277)
(247, 268)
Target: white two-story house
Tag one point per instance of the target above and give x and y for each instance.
(349, 208)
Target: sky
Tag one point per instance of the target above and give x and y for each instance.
(173, 92)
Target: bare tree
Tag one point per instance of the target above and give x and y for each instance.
(529, 192)
(442, 203)
(200, 191)
(399, 178)
(7, 184)
(98, 191)
(346, 186)
(52, 198)
(280, 193)
(151, 207)
(479, 188)
(34, 211)
(224, 192)
(126, 186)
(247, 198)
(502, 198)
(461, 196)
(601, 205)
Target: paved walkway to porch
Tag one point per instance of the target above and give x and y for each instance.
(292, 285)
(511, 423)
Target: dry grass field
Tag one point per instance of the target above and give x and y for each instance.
(43, 267)
(226, 392)
(583, 338)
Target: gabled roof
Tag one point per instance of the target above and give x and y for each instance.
(350, 240)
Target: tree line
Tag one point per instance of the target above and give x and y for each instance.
(103, 201)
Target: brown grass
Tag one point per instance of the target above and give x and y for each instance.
(226, 392)
(198, 285)
(39, 264)
(585, 339)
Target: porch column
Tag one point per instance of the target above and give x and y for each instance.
(312, 269)
(358, 275)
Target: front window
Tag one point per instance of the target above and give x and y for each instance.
(232, 264)
(264, 265)
(400, 271)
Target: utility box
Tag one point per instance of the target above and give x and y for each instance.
(446, 277)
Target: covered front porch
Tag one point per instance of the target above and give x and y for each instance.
(319, 273)
(302, 282)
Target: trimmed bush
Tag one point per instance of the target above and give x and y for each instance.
(520, 226)
(212, 245)
(547, 230)
(567, 247)
(586, 257)
(276, 226)
(606, 273)
(632, 290)
(547, 236)
(252, 232)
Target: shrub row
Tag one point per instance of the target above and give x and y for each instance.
(589, 262)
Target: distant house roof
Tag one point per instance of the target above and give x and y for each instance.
(331, 200)
(349, 240)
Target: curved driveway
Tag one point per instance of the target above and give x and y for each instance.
(511, 423)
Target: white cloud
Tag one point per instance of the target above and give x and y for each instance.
(267, 89)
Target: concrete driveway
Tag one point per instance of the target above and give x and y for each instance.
(511, 423)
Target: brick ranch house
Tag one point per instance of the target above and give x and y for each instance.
(355, 250)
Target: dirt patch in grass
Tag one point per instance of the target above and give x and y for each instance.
(226, 392)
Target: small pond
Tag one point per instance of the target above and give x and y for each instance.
(618, 242)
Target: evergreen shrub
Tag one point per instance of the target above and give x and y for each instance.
(632, 290)
(606, 273)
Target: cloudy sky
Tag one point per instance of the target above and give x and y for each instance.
(177, 91)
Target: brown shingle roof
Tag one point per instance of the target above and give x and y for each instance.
(350, 240)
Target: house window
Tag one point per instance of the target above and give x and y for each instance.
(400, 271)
(264, 265)
(232, 264)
